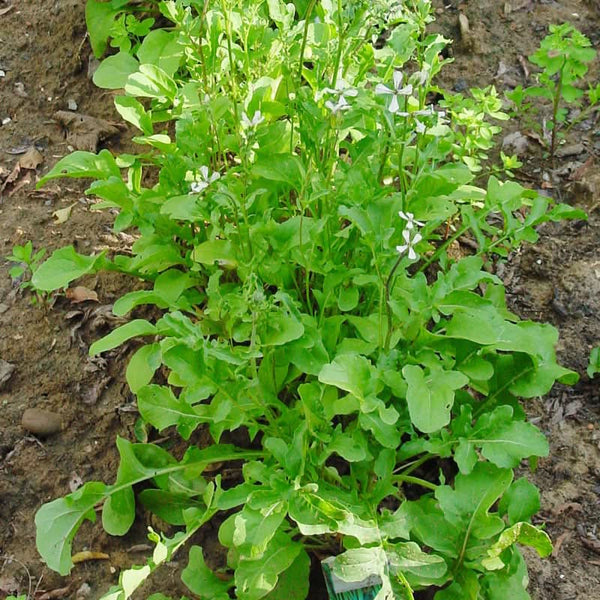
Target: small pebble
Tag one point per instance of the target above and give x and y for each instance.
(41, 422)
(2, 73)
(84, 591)
(6, 120)
(71, 104)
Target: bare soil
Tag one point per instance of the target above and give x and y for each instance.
(45, 56)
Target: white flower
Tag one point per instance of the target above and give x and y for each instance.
(204, 180)
(342, 92)
(410, 243)
(338, 107)
(396, 92)
(420, 127)
(410, 220)
(256, 120)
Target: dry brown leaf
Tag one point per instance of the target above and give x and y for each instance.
(31, 159)
(20, 184)
(12, 177)
(89, 555)
(81, 294)
(85, 132)
(562, 538)
(56, 594)
(593, 545)
(62, 214)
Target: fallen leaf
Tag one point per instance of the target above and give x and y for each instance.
(14, 175)
(593, 545)
(594, 562)
(81, 294)
(62, 215)
(56, 594)
(85, 132)
(562, 538)
(88, 555)
(31, 159)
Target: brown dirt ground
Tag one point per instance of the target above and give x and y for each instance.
(45, 55)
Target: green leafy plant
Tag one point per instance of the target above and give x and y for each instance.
(26, 264)
(563, 56)
(297, 205)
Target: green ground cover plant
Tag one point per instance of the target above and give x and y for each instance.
(298, 204)
(563, 57)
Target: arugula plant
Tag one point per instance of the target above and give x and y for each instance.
(563, 56)
(297, 206)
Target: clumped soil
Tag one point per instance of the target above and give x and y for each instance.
(45, 56)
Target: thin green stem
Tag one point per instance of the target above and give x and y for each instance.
(388, 304)
(415, 481)
(555, 106)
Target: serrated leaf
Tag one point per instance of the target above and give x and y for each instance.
(159, 407)
(505, 441)
(467, 505)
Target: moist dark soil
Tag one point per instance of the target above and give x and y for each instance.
(46, 61)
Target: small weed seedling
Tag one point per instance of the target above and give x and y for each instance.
(563, 56)
(26, 264)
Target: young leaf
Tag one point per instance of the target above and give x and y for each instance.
(122, 334)
(159, 407)
(113, 72)
(161, 48)
(99, 17)
(520, 501)
(151, 82)
(62, 267)
(430, 399)
(133, 112)
(467, 505)
(255, 578)
(201, 580)
(81, 164)
(57, 523)
(522, 533)
(142, 366)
